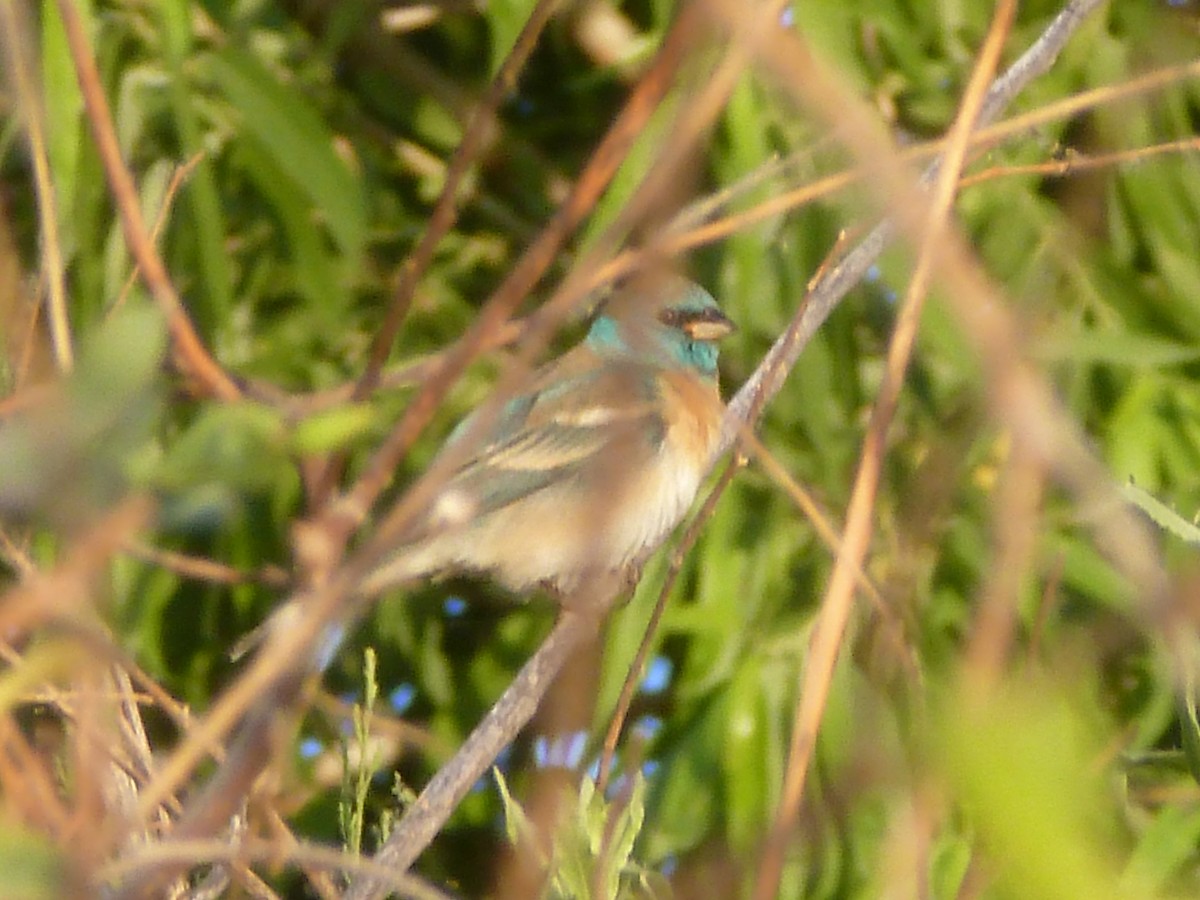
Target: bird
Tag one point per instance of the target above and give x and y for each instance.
(580, 475)
(587, 469)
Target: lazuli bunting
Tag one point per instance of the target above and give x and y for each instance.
(587, 471)
(584, 473)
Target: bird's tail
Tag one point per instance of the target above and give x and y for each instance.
(406, 567)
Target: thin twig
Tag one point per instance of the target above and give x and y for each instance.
(178, 178)
(445, 211)
(634, 675)
(318, 878)
(835, 609)
(765, 382)
(177, 853)
(1075, 162)
(516, 706)
(829, 536)
(64, 594)
(30, 788)
(16, 40)
(190, 354)
(203, 569)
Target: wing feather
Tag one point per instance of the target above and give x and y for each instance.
(550, 436)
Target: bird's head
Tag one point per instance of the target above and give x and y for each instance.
(663, 319)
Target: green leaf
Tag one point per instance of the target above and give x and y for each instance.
(1164, 848)
(290, 131)
(62, 108)
(520, 831)
(505, 19)
(30, 869)
(1161, 514)
(316, 271)
(1019, 763)
(627, 828)
(1135, 432)
(333, 429)
(239, 445)
(748, 793)
(70, 456)
(1121, 348)
(203, 201)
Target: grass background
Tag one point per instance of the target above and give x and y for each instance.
(290, 154)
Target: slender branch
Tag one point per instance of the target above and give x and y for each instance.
(203, 569)
(839, 598)
(190, 354)
(187, 852)
(442, 218)
(1074, 163)
(768, 378)
(445, 210)
(503, 722)
(16, 37)
(634, 676)
(179, 178)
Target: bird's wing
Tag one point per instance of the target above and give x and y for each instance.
(551, 435)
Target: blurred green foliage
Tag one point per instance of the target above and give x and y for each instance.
(316, 143)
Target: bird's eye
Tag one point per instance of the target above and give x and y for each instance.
(670, 318)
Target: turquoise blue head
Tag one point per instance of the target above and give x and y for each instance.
(662, 319)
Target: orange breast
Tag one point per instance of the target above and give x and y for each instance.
(693, 413)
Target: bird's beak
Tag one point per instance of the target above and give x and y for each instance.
(711, 325)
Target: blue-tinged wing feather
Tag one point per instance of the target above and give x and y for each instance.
(554, 433)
